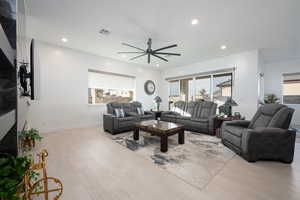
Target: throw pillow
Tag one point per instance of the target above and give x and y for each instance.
(140, 111)
(122, 112)
(119, 112)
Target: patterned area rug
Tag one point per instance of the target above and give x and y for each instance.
(196, 162)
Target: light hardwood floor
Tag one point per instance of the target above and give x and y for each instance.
(93, 167)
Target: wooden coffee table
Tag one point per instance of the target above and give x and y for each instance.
(161, 129)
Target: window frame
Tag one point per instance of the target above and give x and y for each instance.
(211, 76)
(93, 104)
(105, 88)
(282, 88)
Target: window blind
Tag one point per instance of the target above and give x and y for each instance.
(174, 88)
(110, 81)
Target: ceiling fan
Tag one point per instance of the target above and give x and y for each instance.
(149, 52)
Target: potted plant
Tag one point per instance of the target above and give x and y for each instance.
(29, 137)
(157, 101)
(12, 171)
(271, 98)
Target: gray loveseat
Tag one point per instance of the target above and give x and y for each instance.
(196, 116)
(266, 136)
(114, 124)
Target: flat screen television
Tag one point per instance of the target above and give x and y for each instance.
(27, 77)
(32, 69)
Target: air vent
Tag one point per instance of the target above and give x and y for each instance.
(104, 32)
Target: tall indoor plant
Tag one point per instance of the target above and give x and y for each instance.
(12, 171)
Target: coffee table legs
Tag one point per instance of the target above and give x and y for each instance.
(136, 134)
(181, 137)
(163, 139)
(164, 143)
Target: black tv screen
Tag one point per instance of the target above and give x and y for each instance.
(32, 69)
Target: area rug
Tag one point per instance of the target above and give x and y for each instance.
(195, 162)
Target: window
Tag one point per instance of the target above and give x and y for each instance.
(105, 87)
(174, 91)
(213, 87)
(222, 88)
(186, 89)
(291, 88)
(202, 88)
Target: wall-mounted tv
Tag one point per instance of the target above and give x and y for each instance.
(27, 77)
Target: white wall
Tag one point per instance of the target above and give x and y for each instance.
(63, 93)
(273, 78)
(245, 89)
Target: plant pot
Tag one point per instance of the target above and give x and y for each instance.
(28, 142)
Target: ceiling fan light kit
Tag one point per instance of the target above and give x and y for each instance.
(149, 52)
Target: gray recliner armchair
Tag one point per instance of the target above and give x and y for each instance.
(265, 137)
(114, 124)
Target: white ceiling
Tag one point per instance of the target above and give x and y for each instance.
(241, 25)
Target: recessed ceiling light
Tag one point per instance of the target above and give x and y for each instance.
(124, 56)
(223, 47)
(64, 39)
(157, 65)
(194, 21)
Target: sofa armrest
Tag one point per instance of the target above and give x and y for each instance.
(211, 124)
(108, 122)
(242, 123)
(131, 114)
(268, 141)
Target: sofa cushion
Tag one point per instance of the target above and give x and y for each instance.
(271, 109)
(171, 116)
(201, 126)
(270, 115)
(204, 110)
(128, 107)
(183, 118)
(126, 119)
(190, 109)
(112, 106)
(179, 107)
(234, 130)
(199, 120)
(146, 117)
(232, 139)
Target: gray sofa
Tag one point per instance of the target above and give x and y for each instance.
(196, 116)
(115, 125)
(265, 137)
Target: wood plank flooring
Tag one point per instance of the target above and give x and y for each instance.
(93, 167)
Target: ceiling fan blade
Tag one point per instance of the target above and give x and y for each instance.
(160, 57)
(148, 58)
(138, 56)
(125, 44)
(167, 47)
(129, 52)
(171, 54)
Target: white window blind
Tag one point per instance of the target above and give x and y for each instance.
(174, 88)
(110, 81)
